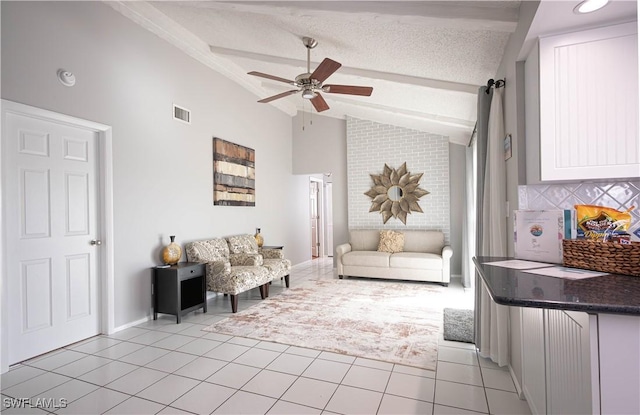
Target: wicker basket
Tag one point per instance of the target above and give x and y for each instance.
(608, 257)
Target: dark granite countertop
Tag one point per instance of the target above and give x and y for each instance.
(615, 294)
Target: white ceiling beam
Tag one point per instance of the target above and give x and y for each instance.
(457, 134)
(466, 15)
(345, 70)
(441, 119)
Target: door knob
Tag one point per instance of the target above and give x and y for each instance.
(96, 242)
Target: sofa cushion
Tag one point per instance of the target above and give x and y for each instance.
(242, 244)
(208, 250)
(243, 278)
(366, 259)
(415, 260)
(391, 241)
(278, 267)
(423, 241)
(245, 259)
(364, 239)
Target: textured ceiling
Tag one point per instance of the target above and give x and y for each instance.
(425, 59)
(365, 41)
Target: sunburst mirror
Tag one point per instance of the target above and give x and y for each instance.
(395, 193)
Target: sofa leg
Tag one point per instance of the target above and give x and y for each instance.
(234, 302)
(286, 281)
(445, 284)
(341, 276)
(266, 290)
(263, 291)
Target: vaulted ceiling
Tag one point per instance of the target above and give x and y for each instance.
(424, 59)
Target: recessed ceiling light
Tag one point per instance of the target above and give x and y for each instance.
(588, 6)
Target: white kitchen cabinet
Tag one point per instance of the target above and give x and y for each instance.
(588, 105)
(571, 364)
(560, 361)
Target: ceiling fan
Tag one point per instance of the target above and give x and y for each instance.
(311, 84)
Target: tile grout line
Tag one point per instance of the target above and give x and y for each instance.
(484, 389)
(384, 392)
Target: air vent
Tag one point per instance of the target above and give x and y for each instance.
(181, 114)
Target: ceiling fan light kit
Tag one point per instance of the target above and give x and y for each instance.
(311, 83)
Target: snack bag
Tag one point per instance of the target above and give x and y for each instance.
(602, 223)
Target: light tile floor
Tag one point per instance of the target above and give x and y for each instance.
(167, 368)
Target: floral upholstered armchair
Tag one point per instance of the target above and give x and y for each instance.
(229, 274)
(235, 265)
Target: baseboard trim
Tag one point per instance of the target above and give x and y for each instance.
(517, 384)
(299, 264)
(133, 323)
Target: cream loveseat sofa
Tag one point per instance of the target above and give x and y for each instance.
(235, 264)
(423, 258)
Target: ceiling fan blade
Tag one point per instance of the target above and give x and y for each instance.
(272, 77)
(325, 69)
(282, 95)
(319, 103)
(348, 89)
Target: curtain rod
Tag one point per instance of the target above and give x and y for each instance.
(497, 84)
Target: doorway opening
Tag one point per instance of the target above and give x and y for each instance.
(321, 215)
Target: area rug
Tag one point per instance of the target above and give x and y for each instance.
(458, 325)
(397, 322)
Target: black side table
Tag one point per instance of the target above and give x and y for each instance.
(179, 289)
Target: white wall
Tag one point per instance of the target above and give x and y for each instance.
(513, 105)
(128, 78)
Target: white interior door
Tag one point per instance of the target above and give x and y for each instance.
(50, 182)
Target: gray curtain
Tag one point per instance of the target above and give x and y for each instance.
(468, 220)
(491, 319)
(482, 131)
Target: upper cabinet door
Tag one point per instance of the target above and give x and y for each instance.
(589, 104)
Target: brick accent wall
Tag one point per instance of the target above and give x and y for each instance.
(370, 145)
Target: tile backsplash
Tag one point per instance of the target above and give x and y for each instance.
(618, 195)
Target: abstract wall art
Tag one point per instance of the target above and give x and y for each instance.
(234, 175)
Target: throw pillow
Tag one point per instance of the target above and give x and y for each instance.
(391, 241)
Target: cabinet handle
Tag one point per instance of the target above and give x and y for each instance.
(192, 271)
